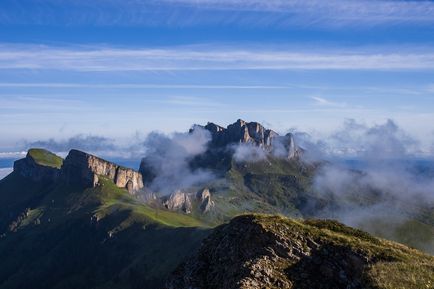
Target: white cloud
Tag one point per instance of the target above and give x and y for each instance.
(208, 58)
(244, 12)
(4, 172)
(9, 155)
(135, 85)
(325, 102)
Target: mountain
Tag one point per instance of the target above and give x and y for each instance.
(281, 181)
(242, 132)
(60, 229)
(87, 222)
(260, 251)
(277, 183)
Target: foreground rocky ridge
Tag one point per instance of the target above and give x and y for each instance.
(258, 251)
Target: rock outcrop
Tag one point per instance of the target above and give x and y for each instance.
(31, 168)
(178, 201)
(257, 251)
(204, 199)
(84, 169)
(185, 202)
(242, 132)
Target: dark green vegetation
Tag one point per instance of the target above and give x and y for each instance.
(279, 186)
(273, 185)
(54, 235)
(262, 251)
(57, 236)
(45, 158)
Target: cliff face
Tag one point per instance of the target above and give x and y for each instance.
(78, 168)
(29, 167)
(241, 132)
(84, 169)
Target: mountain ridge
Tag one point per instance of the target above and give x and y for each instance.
(78, 168)
(264, 251)
(50, 207)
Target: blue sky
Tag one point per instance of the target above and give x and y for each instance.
(116, 68)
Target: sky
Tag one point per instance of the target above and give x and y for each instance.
(118, 68)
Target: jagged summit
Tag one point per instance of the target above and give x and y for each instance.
(78, 168)
(243, 132)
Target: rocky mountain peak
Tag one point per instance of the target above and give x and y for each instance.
(240, 132)
(243, 132)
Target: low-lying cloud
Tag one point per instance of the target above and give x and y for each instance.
(168, 158)
(90, 143)
(371, 175)
(248, 153)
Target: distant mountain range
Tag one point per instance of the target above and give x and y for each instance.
(84, 222)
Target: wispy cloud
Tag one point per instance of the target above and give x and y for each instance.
(206, 57)
(192, 101)
(394, 89)
(37, 103)
(360, 10)
(243, 12)
(135, 85)
(321, 101)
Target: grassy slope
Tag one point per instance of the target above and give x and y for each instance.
(104, 236)
(270, 186)
(277, 186)
(269, 251)
(392, 265)
(45, 158)
(17, 194)
(80, 239)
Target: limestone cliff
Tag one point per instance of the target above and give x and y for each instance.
(84, 169)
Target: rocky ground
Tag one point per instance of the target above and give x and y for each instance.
(254, 251)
